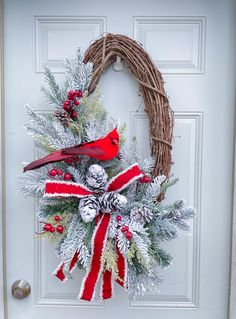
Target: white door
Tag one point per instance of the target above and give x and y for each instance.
(191, 43)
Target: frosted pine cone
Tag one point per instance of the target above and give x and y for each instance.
(89, 208)
(141, 215)
(96, 177)
(63, 117)
(112, 201)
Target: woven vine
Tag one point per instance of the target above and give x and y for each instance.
(102, 53)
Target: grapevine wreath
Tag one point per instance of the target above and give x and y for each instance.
(100, 205)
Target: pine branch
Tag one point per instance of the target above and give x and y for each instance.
(73, 241)
(143, 282)
(153, 190)
(33, 184)
(163, 258)
(78, 73)
(147, 165)
(167, 184)
(53, 94)
(48, 131)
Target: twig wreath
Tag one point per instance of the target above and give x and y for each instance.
(101, 206)
(103, 53)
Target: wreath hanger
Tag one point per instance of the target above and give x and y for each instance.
(117, 48)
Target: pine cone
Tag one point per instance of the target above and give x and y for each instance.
(141, 215)
(112, 201)
(89, 208)
(63, 117)
(96, 177)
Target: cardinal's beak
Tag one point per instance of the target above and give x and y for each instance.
(115, 141)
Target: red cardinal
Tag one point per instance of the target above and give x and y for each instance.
(103, 149)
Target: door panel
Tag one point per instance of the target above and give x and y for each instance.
(195, 53)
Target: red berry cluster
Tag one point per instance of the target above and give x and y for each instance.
(59, 172)
(72, 102)
(74, 160)
(125, 229)
(50, 228)
(145, 179)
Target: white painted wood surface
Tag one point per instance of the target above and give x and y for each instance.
(2, 243)
(195, 53)
(232, 293)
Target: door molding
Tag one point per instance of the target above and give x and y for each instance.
(232, 290)
(2, 201)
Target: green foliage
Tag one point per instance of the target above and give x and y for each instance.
(109, 258)
(78, 74)
(162, 257)
(54, 95)
(167, 184)
(135, 254)
(89, 232)
(50, 207)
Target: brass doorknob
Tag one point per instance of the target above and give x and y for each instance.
(20, 289)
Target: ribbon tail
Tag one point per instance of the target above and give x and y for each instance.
(107, 289)
(89, 283)
(122, 269)
(59, 272)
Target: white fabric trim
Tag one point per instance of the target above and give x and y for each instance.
(64, 195)
(126, 274)
(112, 288)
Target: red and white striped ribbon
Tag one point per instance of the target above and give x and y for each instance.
(67, 189)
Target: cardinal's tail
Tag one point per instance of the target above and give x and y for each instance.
(73, 150)
(51, 158)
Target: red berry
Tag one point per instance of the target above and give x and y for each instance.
(67, 177)
(78, 93)
(76, 160)
(57, 218)
(59, 172)
(71, 95)
(145, 179)
(76, 102)
(129, 235)
(53, 172)
(60, 229)
(124, 229)
(118, 218)
(69, 160)
(47, 227)
(74, 115)
(52, 229)
(66, 103)
(67, 106)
